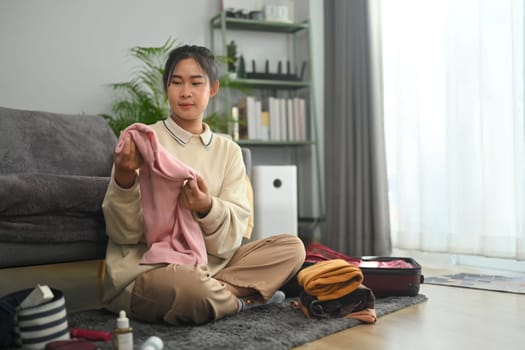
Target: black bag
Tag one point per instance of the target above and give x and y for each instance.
(8, 306)
(17, 325)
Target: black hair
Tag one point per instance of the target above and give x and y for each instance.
(201, 54)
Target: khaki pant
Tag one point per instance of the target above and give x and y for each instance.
(181, 294)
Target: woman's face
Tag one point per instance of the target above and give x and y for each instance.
(189, 91)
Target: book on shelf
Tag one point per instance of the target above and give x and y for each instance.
(247, 118)
(281, 119)
(235, 124)
(283, 132)
(290, 120)
(242, 121)
(273, 108)
(300, 119)
(265, 125)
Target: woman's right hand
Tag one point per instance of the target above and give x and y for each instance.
(127, 161)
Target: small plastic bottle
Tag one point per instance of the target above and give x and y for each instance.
(152, 343)
(123, 334)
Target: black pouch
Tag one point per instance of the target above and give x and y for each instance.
(8, 306)
(18, 325)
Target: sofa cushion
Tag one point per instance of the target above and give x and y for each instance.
(52, 229)
(43, 142)
(51, 208)
(48, 194)
(54, 171)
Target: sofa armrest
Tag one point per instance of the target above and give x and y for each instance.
(247, 158)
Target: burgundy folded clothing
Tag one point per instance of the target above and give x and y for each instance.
(73, 344)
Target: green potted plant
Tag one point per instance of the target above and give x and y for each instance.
(141, 99)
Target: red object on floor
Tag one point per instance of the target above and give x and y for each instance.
(90, 334)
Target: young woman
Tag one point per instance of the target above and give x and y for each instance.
(235, 277)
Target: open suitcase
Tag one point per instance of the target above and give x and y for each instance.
(386, 280)
(385, 276)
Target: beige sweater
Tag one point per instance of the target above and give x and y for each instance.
(219, 161)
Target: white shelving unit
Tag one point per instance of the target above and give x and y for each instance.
(303, 153)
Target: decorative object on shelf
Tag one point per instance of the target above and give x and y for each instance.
(230, 12)
(277, 13)
(280, 75)
(231, 53)
(237, 13)
(269, 10)
(303, 70)
(256, 15)
(241, 72)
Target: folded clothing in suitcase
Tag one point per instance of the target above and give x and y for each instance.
(385, 276)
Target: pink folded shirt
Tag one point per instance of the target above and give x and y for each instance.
(172, 234)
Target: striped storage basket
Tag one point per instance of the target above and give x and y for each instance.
(39, 325)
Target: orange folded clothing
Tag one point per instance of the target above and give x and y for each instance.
(331, 279)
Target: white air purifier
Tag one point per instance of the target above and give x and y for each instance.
(275, 200)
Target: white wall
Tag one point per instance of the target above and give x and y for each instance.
(58, 55)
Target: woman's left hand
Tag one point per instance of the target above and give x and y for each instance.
(194, 196)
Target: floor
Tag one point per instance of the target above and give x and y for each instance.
(452, 318)
(79, 281)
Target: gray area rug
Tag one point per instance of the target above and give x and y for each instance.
(497, 283)
(271, 327)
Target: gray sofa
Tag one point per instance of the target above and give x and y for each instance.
(54, 171)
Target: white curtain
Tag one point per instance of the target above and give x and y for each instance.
(453, 101)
